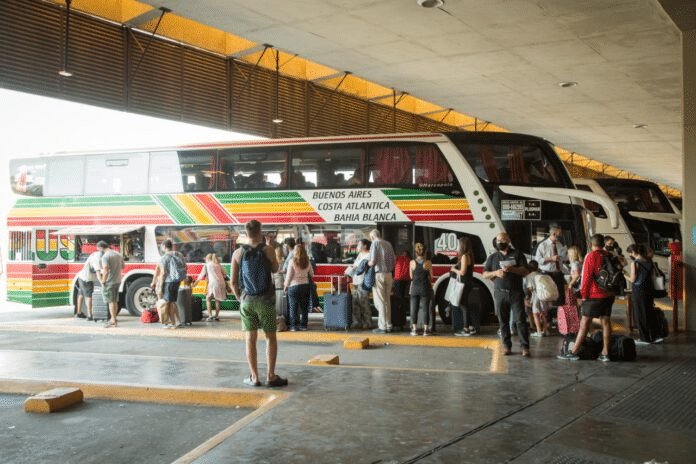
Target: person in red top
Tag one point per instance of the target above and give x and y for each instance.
(596, 301)
(402, 282)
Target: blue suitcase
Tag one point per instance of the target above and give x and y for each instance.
(338, 307)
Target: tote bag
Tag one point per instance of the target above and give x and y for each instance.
(658, 280)
(455, 288)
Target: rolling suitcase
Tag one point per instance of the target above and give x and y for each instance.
(183, 304)
(100, 309)
(568, 318)
(338, 307)
(196, 309)
(282, 304)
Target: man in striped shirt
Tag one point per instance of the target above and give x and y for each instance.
(382, 257)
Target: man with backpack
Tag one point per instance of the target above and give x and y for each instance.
(173, 267)
(252, 265)
(598, 297)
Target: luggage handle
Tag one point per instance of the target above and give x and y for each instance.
(338, 289)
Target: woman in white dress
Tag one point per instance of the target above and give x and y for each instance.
(217, 287)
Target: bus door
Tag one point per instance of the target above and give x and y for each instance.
(400, 235)
(50, 277)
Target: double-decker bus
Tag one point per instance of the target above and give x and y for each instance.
(645, 214)
(330, 192)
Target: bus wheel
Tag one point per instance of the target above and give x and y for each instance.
(479, 298)
(140, 296)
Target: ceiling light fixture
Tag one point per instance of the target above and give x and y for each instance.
(430, 3)
(567, 84)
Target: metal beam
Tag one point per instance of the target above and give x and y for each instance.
(331, 76)
(146, 17)
(251, 50)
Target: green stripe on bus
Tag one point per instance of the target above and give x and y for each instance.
(19, 297)
(42, 300)
(411, 194)
(116, 200)
(258, 197)
(174, 210)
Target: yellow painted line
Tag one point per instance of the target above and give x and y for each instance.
(261, 400)
(57, 325)
(194, 209)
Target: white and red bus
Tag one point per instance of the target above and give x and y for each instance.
(645, 215)
(427, 187)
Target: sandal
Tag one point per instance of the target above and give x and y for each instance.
(249, 382)
(277, 381)
(217, 319)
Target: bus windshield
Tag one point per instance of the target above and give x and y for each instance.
(636, 195)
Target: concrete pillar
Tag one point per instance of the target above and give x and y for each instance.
(689, 164)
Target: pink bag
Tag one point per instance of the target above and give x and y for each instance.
(568, 315)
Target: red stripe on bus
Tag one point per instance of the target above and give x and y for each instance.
(430, 217)
(215, 209)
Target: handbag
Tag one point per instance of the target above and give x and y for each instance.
(455, 289)
(658, 281)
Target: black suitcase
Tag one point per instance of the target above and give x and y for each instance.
(662, 324)
(183, 304)
(338, 308)
(100, 309)
(196, 309)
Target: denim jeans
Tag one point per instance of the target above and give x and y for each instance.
(298, 305)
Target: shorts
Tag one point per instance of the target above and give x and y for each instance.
(110, 293)
(258, 315)
(85, 287)
(597, 307)
(171, 291)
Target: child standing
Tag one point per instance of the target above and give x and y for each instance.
(539, 308)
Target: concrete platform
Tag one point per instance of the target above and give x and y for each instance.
(402, 399)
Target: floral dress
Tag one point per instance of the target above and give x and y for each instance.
(217, 287)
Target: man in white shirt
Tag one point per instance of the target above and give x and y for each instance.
(551, 255)
(85, 283)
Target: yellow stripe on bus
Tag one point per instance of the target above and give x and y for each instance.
(14, 284)
(85, 211)
(43, 286)
(194, 209)
(431, 204)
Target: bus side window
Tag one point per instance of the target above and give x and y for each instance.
(390, 166)
(197, 168)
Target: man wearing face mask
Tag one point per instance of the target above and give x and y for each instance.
(506, 267)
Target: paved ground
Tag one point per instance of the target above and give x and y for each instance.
(406, 399)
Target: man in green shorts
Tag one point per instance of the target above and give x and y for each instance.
(252, 265)
(111, 266)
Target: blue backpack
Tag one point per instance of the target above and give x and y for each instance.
(254, 270)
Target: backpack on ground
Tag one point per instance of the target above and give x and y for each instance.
(179, 272)
(610, 277)
(546, 288)
(621, 347)
(254, 270)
